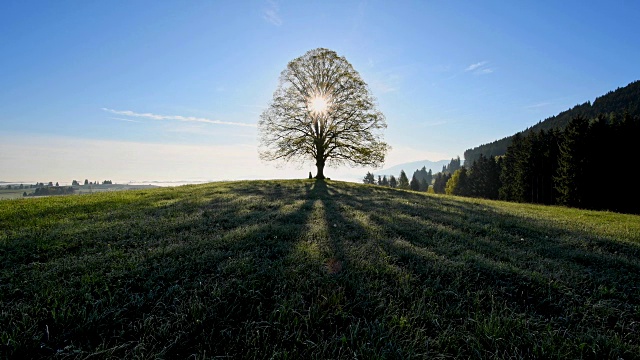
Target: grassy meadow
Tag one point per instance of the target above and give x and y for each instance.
(7, 194)
(314, 270)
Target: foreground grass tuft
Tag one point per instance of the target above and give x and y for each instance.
(314, 270)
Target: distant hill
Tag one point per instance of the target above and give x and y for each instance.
(410, 167)
(626, 99)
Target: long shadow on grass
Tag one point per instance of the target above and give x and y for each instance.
(366, 291)
(190, 276)
(312, 269)
(544, 274)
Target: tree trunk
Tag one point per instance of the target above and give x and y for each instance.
(320, 166)
(319, 159)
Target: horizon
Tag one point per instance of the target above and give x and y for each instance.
(162, 183)
(173, 91)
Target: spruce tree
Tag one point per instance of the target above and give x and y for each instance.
(424, 186)
(403, 181)
(393, 182)
(572, 163)
(414, 184)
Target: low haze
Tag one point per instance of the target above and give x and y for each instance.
(173, 90)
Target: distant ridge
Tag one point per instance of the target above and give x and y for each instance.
(410, 167)
(625, 99)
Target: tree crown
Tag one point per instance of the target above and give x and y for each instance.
(322, 111)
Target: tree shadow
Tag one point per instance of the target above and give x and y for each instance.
(548, 274)
(326, 269)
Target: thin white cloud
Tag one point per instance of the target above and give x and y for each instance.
(475, 66)
(479, 68)
(175, 118)
(538, 105)
(271, 14)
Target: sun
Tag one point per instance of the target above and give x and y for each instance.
(318, 104)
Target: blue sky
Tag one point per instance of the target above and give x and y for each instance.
(173, 90)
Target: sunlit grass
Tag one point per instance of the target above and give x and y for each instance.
(306, 269)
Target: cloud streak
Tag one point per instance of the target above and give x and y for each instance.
(479, 68)
(271, 14)
(175, 118)
(538, 105)
(475, 66)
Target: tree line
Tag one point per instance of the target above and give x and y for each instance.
(569, 167)
(51, 190)
(421, 180)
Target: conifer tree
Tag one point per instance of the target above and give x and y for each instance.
(572, 163)
(403, 181)
(393, 182)
(484, 178)
(440, 182)
(414, 184)
(369, 178)
(424, 186)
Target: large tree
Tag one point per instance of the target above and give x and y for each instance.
(322, 112)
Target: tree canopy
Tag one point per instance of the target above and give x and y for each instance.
(322, 112)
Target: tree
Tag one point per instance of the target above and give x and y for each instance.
(454, 165)
(369, 178)
(393, 182)
(440, 182)
(424, 186)
(572, 163)
(322, 112)
(483, 178)
(458, 183)
(403, 180)
(86, 181)
(424, 177)
(414, 184)
(385, 182)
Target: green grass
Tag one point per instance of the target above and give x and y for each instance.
(10, 194)
(314, 270)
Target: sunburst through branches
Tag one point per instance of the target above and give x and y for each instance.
(318, 104)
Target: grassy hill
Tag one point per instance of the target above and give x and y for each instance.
(305, 269)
